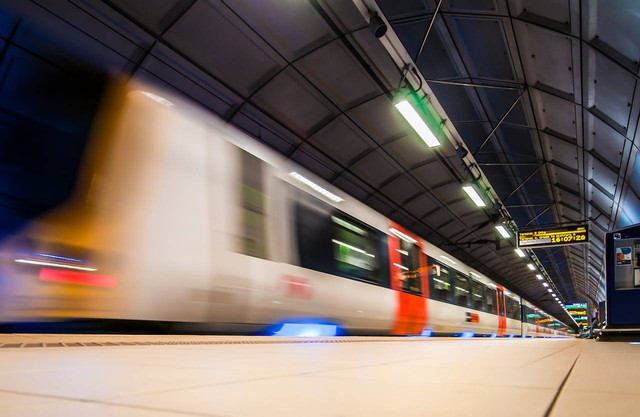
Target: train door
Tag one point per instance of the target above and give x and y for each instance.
(522, 318)
(502, 312)
(408, 271)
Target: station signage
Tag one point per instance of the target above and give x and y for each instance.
(579, 313)
(540, 238)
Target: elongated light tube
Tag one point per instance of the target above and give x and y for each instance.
(55, 264)
(531, 267)
(353, 248)
(520, 253)
(539, 276)
(503, 231)
(416, 122)
(473, 194)
(315, 187)
(156, 98)
(446, 258)
(404, 268)
(402, 236)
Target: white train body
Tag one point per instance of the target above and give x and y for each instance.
(169, 225)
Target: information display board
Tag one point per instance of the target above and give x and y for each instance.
(579, 313)
(571, 235)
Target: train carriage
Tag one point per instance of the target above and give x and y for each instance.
(178, 217)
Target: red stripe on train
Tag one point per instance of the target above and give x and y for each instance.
(411, 310)
(78, 278)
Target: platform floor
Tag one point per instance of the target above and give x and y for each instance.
(110, 375)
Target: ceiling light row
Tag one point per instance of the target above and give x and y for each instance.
(418, 124)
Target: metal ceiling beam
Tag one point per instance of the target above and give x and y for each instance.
(499, 123)
(426, 35)
(540, 214)
(529, 205)
(513, 164)
(523, 182)
(463, 84)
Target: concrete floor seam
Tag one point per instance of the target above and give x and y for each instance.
(109, 403)
(560, 388)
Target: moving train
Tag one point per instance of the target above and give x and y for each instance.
(179, 217)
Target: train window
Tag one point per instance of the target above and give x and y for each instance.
(532, 315)
(253, 203)
(355, 249)
(513, 309)
(501, 302)
(440, 280)
(490, 297)
(313, 232)
(461, 290)
(410, 259)
(477, 295)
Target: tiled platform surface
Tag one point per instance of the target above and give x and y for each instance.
(109, 375)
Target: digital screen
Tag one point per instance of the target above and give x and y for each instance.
(553, 237)
(579, 313)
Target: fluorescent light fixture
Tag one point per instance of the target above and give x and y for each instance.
(503, 231)
(545, 284)
(520, 253)
(531, 267)
(353, 248)
(473, 194)
(446, 258)
(539, 276)
(403, 252)
(416, 122)
(403, 236)
(34, 262)
(475, 275)
(549, 289)
(315, 187)
(401, 266)
(553, 294)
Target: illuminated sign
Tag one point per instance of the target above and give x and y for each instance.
(545, 320)
(570, 235)
(578, 311)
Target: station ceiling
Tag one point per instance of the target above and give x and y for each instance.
(309, 79)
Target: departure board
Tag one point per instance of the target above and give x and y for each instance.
(572, 235)
(579, 313)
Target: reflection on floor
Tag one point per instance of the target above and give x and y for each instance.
(111, 375)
